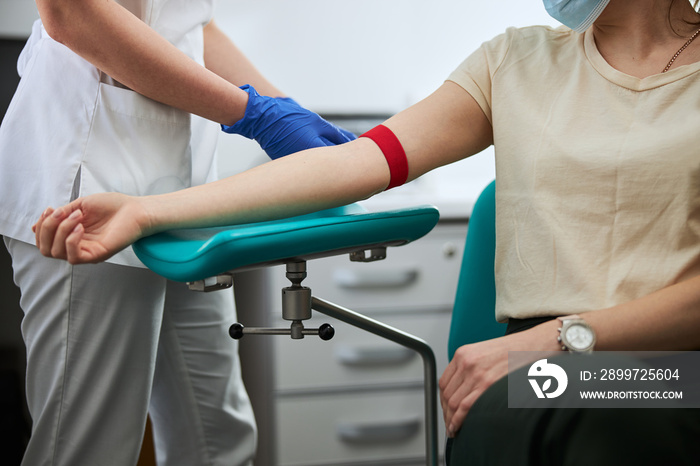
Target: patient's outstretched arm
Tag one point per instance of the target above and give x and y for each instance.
(445, 127)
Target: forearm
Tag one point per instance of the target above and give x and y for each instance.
(121, 45)
(336, 176)
(224, 58)
(668, 319)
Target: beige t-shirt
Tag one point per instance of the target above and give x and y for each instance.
(598, 172)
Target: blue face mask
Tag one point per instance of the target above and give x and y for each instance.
(575, 14)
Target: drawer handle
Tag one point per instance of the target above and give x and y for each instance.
(363, 279)
(378, 431)
(350, 355)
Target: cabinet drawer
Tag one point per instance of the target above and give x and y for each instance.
(419, 276)
(355, 358)
(376, 427)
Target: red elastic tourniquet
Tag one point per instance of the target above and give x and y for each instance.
(393, 152)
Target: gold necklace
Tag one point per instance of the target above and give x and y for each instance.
(673, 58)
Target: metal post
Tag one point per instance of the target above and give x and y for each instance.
(409, 341)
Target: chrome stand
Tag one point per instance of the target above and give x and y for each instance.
(408, 341)
(297, 303)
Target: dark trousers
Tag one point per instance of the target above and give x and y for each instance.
(494, 434)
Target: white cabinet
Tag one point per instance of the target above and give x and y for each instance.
(358, 399)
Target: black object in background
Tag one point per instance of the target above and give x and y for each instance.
(9, 52)
(14, 420)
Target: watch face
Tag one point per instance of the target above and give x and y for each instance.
(578, 337)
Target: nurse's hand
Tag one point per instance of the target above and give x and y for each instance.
(348, 134)
(90, 229)
(475, 367)
(282, 127)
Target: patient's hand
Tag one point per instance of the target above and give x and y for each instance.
(90, 229)
(472, 370)
(475, 367)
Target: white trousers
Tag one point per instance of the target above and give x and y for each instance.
(107, 344)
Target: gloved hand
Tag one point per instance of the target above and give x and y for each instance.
(281, 126)
(349, 134)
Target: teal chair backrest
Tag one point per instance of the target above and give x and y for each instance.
(473, 315)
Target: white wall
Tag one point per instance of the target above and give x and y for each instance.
(16, 18)
(350, 55)
(366, 55)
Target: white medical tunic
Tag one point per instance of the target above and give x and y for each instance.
(71, 130)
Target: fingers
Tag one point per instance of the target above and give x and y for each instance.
(444, 383)
(456, 399)
(44, 231)
(335, 136)
(41, 218)
(53, 228)
(72, 243)
(338, 135)
(36, 228)
(459, 414)
(64, 228)
(463, 381)
(473, 369)
(450, 384)
(348, 134)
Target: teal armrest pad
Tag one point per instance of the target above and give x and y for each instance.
(195, 254)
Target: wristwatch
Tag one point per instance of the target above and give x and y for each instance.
(575, 335)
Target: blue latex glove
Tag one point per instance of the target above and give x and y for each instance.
(349, 134)
(282, 127)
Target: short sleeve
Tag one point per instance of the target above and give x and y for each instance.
(475, 73)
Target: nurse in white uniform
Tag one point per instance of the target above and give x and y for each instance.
(114, 97)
